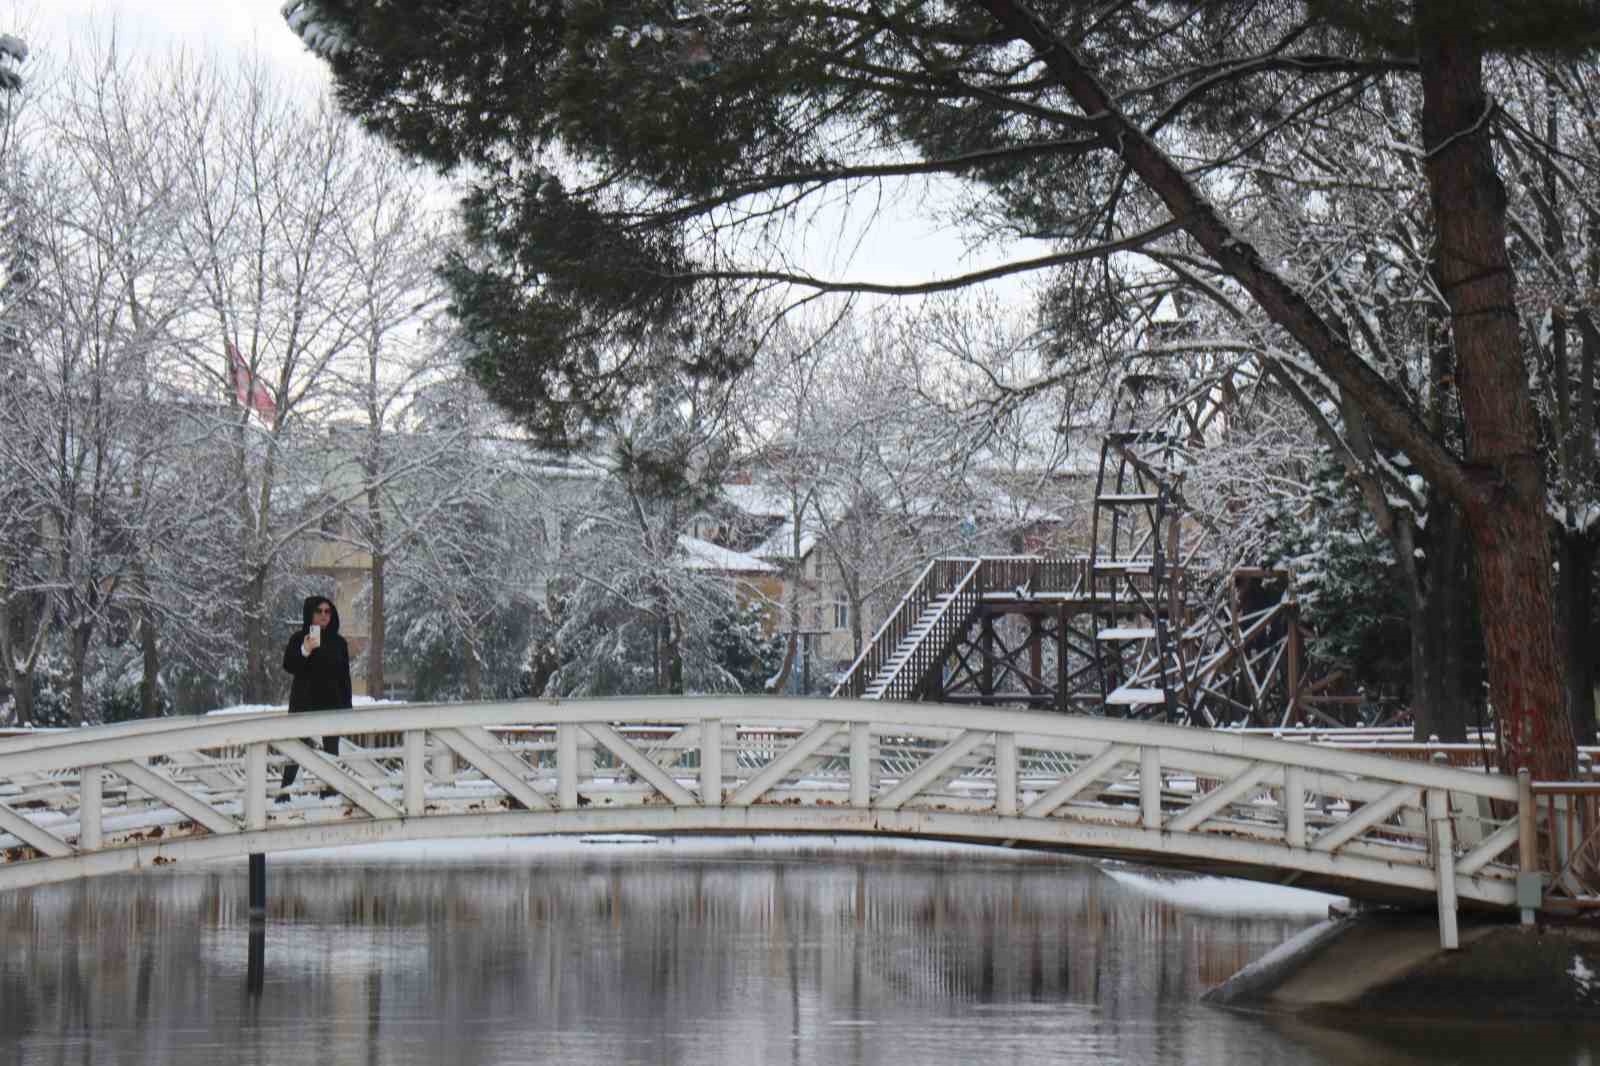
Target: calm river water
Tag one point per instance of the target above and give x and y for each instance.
(636, 953)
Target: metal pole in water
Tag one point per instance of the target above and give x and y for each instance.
(256, 959)
(258, 887)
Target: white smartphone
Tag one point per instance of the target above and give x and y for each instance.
(315, 631)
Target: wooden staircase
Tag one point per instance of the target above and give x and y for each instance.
(930, 618)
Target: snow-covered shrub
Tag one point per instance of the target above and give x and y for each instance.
(744, 654)
(1344, 580)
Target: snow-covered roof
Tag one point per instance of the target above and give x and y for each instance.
(704, 555)
(780, 542)
(758, 500)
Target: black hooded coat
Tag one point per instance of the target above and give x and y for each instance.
(321, 679)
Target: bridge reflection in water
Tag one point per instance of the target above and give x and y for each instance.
(623, 955)
(623, 941)
(91, 802)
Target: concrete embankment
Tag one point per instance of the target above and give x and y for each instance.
(1392, 962)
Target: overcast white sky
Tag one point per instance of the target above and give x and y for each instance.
(222, 26)
(909, 250)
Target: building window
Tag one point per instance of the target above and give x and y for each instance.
(841, 616)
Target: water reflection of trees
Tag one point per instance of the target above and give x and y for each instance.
(633, 948)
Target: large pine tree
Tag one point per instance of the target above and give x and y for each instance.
(633, 162)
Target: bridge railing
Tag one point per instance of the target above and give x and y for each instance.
(1032, 575)
(100, 800)
(1565, 834)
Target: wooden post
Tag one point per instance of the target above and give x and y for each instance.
(1005, 774)
(711, 762)
(416, 772)
(986, 649)
(1061, 658)
(255, 786)
(567, 766)
(1150, 786)
(1294, 806)
(1444, 866)
(1529, 879)
(1035, 654)
(90, 796)
(860, 765)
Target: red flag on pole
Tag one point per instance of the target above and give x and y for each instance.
(250, 390)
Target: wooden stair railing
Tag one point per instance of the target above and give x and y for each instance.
(947, 624)
(938, 579)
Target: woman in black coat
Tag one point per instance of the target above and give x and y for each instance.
(319, 659)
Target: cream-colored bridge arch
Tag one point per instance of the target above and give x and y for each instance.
(95, 801)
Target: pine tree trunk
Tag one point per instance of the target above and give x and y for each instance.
(1438, 629)
(1575, 589)
(1510, 532)
(1500, 487)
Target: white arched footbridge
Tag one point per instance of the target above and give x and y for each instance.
(81, 803)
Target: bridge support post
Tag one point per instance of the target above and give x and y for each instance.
(1444, 866)
(711, 762)
(1150, 786)
(567, 766)
(1530, 882)
(1005, 774)
(255, 786)
(1294, 806)
(90, 795)
(860, 764)
(416, 772)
